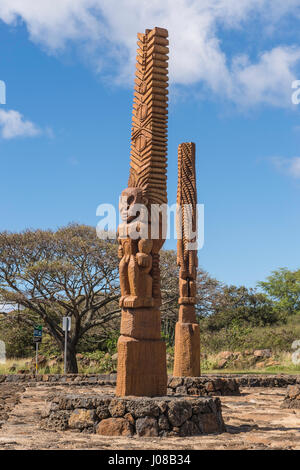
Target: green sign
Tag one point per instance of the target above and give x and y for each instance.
(37, 333)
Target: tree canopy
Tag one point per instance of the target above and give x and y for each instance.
(283, 287)
(70, 272)
(240, 305)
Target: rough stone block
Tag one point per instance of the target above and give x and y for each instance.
(114, 427)
(147, 427)
(142, 407)
(179, 412)
(102, 411)
(116, 408)
(175, 382)
(81, 419)
(292, 397)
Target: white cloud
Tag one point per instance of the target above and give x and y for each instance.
(269, 80)
(294, 168)
(13, 124)
(105, 30)
(290, 166)
(73, 161)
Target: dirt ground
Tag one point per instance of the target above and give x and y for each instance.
(254, 420)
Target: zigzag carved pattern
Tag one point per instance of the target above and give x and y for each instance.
(148, 158)
(186, 199)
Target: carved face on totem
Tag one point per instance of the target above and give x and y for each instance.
(127, 205)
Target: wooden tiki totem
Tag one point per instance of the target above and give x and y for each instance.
(187, 332)
(141, 352)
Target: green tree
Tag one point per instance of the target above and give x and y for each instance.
(70, 272)
(17, 336)
(283, 287)
(241, 306)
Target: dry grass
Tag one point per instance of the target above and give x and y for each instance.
(18, 364)
(284, 360)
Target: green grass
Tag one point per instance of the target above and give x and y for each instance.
(286, 367)
(251, 371)
(18, 363)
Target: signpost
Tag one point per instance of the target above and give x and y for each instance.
(37, 338)
(66, 329)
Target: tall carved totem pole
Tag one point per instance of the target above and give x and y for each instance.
(187, 332)
(141, 352)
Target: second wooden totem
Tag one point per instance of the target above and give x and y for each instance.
(187, 333)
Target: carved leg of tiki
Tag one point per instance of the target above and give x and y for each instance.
(124, 282)
(187, 344)
(141, 354)
(134, 300)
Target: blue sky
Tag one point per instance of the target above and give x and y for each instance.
(65, 127)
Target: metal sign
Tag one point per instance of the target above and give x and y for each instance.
(38, 334)
(67, 323)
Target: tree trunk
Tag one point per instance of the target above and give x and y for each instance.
(72, 367)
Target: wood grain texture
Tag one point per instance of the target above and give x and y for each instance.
(148, 158)
(187, 333)
(141, 353)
